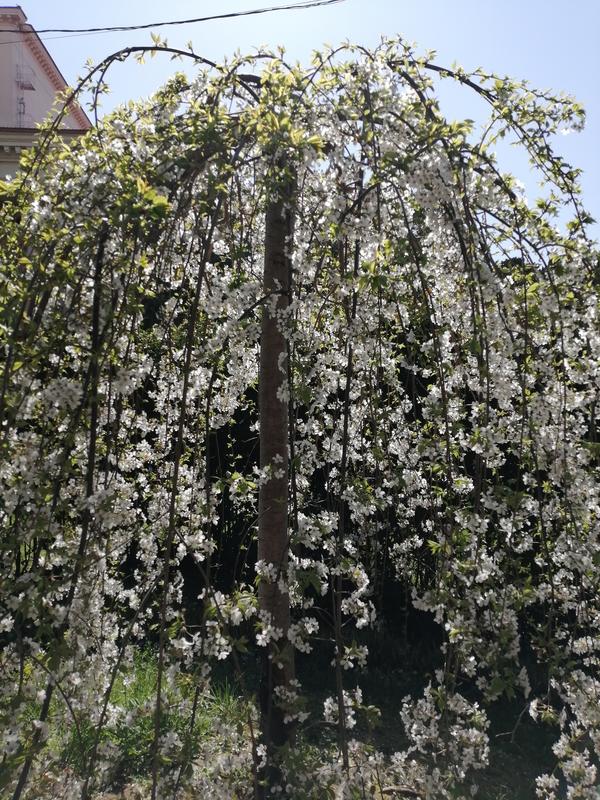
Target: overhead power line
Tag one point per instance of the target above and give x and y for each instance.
(229, 15)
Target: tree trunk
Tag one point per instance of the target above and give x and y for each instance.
(273, 539)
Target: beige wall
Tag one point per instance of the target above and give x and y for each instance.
(12, 143)
(29, 79)
(29, 83)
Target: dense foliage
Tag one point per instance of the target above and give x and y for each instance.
(442, 377)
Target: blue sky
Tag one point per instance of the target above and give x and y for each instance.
(552, 43)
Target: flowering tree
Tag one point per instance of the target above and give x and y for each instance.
(277, 342)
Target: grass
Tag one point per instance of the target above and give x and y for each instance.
(127, 738)
(130, 737)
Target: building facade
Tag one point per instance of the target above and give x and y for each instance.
(29, 84)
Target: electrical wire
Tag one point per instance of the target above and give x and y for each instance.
(146, 26)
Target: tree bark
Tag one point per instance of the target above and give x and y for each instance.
(273, 538)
